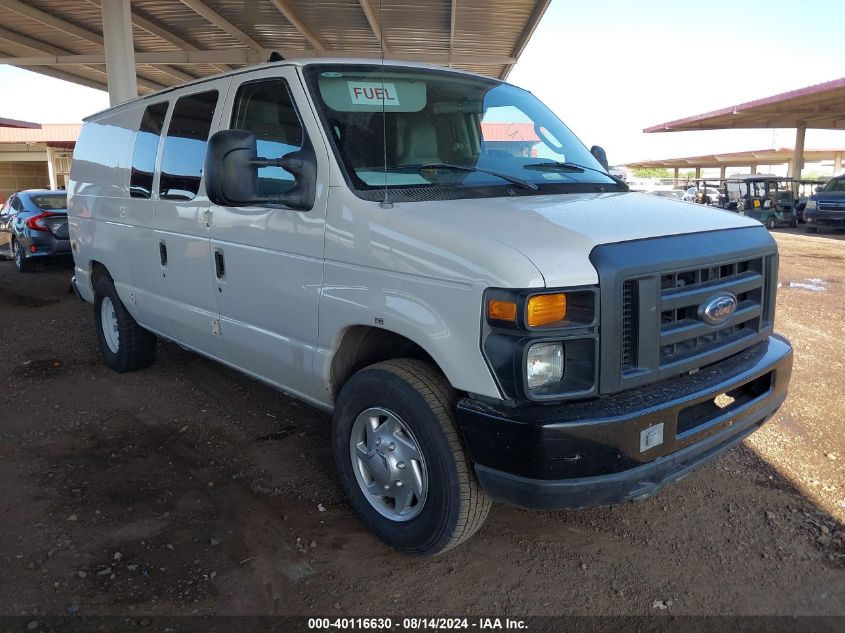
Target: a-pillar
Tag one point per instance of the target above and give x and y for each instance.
(797, 163)
(120, 51)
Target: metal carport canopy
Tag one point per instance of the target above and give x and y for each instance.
(140, 46)
(821, 106)
(775, 156)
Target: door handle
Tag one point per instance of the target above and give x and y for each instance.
(162, 253)
(219, 264)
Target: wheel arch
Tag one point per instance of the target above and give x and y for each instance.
(359, 346)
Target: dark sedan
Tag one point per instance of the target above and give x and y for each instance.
(35, 226)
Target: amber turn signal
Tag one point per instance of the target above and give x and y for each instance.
(546, 309)
(501, 310)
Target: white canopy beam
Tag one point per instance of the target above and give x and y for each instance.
(375, 24)
(797, 162)
(454, 10)
(242, 56)
(159, 31)
(119, 51)
(37, 46)
(224, 25)
(533, 21)
(52, 21)
(290, 15)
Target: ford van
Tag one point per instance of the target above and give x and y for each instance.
(485, 319)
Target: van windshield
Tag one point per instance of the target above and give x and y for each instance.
(448, 130)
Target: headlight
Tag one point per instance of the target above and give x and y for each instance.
(541, 344)
(544, 364)
(811, 205)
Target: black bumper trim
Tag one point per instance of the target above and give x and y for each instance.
(591, 453)
(629, 485)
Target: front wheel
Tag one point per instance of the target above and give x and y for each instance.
(400, 460)
(124, 344)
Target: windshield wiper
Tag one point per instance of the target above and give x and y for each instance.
(565, 166)
(519, 182)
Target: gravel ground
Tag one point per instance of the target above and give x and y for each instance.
(188, 489)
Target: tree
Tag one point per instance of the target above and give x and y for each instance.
(652, 172)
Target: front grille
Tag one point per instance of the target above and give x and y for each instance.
(652, 292)
(683, 335)
(629, 332)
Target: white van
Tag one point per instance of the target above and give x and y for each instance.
(487, 319)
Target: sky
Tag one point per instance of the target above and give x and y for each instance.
(611, 68)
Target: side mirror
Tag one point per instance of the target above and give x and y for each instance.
(600, 155)
(231, 172)
(819, 188)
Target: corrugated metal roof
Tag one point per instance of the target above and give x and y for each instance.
(774, 156)
(14, 123)
(820, 106)
(48, 133)
(481, 36)
(509, 132)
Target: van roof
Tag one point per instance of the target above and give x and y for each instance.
(306, 61)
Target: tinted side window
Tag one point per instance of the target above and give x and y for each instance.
(16, 204)
(266, 109)
(146, 146)
(184, 147)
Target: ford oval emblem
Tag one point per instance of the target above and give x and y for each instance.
(718, 309)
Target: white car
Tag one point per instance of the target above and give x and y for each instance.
(481, 325)
(711, 193)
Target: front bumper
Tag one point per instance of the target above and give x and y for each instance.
(626, 446)
(832, 220)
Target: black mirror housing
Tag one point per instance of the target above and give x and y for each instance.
(600, 155)
(231, 172)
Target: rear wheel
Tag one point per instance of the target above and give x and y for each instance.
(22, 264)
(124, 344)
(400, 460)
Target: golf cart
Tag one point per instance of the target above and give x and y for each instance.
(768, 199)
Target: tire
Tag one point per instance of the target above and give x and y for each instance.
(452, 506)
(771, 224)
(22, 264)
(812, 229)
(130, 347)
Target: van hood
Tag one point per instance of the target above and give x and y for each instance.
(558, 232)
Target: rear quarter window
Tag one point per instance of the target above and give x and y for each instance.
(102, 155)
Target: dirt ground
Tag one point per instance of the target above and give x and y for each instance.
(189, 489)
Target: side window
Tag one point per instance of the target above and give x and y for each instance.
(146, 146)
(17, 205)
(266, 109)
(184, 146)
